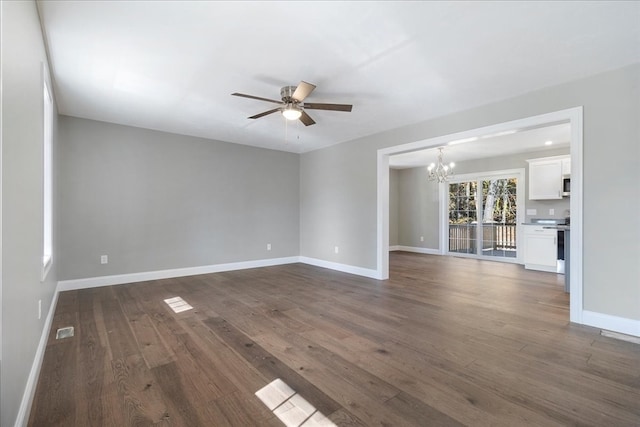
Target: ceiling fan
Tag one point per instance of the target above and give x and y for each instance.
(292, 106)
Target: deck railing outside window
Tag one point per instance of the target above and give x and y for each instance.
(462, 237)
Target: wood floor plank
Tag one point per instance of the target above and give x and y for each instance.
(188, 352)
(271, 367)
(440, 384)
(548, 400)
(185, 406)
(140, 395)
(445, 341)
(580, 391)
(121, 340)
(54, 400)
(92, 360)
(232, 408)
(152, 346)
(231, 373)
(416, 412)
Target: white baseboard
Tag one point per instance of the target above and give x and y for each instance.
(345, 268)
(611, 323)
(119, 279)
(32, 381)
(394, 248)
(418, 250)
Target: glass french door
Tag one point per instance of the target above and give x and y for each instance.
(463, 217)
(483, 217)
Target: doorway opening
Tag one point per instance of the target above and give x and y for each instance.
(573, 116)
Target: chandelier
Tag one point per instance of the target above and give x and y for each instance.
(440, 172)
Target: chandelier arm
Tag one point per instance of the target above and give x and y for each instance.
(440, 172)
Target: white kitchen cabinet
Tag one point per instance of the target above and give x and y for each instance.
(540, 248)
(566, 167)
(545, 177)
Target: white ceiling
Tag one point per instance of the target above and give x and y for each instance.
(172, 66)
(486, 146)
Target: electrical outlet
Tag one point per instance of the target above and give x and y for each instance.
(422, 238)
(104, 259)
(336, 249)
(268, 246)
(552, 211)
(39, 309)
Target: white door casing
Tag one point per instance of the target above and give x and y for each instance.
(572, 115)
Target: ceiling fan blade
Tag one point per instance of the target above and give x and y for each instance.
(256, 97)
(302, 91)
(333, 107)
(266, 113)
(306, 119)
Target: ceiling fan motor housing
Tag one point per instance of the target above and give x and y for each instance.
(286, 93)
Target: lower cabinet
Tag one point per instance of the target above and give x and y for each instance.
(540, 248)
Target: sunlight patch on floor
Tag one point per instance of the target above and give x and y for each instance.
(291, 408)
(177, 304)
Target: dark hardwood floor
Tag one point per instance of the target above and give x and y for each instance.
(446, 341)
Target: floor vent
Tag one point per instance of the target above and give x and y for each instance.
(619, 336)
(64, 332)
(178, 305)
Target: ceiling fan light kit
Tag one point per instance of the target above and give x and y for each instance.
(291, 112)
(292, 105)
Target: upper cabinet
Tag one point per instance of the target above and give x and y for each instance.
(545, 177)
(566, 167)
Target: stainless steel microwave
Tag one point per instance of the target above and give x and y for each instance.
(566, 187)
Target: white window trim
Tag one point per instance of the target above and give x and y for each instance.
(47, 177)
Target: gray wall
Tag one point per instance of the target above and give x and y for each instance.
(154, 201)
(337, 195)
(22, 134)
(418, 204)
(339, 182)
(418, 207)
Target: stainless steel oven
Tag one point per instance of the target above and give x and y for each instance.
(560, 257)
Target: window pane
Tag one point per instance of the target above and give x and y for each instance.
(47, 182)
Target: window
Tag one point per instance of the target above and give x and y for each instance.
(483, 214)
(47, 182)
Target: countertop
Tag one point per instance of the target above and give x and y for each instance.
(565, 227)
(558, 227)
(549, 225)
